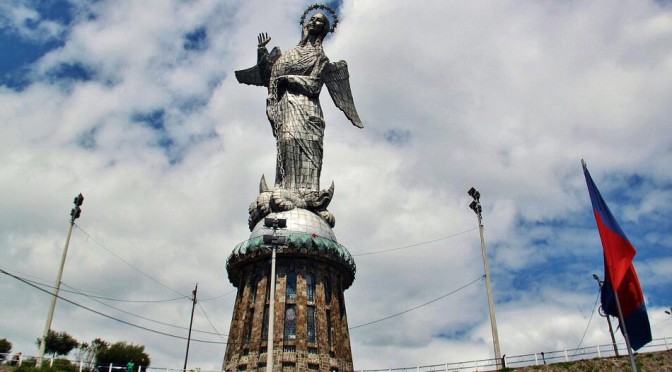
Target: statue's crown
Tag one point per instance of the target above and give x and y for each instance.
(332, 12)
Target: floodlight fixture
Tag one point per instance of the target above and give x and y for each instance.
(476, 207)
(474, 194)
(79, 200)
(275, 240)
(276, 223)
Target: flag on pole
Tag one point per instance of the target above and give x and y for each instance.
(619, 272)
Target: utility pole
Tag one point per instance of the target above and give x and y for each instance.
(274, 241)
(191, 322)
(476, 207)
(74, 214)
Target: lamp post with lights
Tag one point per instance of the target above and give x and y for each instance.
(476, 207)
(74, 214)
(273, 240)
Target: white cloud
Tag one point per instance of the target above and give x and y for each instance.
(505, 97)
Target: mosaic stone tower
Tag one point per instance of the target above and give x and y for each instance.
(312, 270)
(311, 327)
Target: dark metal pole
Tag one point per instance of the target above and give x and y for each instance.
(624, 330)
(611, 329)
(191, 322)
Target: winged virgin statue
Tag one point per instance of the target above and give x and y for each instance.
(294, 80)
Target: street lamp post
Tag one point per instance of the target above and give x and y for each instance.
(274, 241)
(476, 207)
(74, 214)
(602, 313)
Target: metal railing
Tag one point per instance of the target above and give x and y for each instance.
(534, 359)
(514, 361)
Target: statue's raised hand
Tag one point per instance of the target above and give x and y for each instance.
(263, 39)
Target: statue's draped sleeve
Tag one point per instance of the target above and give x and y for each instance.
(305, 85)
(260, 74)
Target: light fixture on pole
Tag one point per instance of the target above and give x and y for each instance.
(600, 311)
(74, 214)
(273, 241)
(475, 205)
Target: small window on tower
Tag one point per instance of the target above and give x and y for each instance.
(312, 329)
(290, 323)
(248, 326)
(310, 287)
(327, 291)
(264, 328)
(255, 285)
(291, 286)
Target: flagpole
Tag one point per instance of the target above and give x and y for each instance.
(619, 268)
(624, 329)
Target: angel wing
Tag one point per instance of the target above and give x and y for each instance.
(337, 80)
(260, 74)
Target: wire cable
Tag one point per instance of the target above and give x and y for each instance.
(145, 318)
(419, 306)
(592, 313)
(208, 319)
(109, 316)
(141, 272)
(92, 296)
(415, 245)
(126, 262)
(220, 296)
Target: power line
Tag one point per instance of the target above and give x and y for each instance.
(92, 296)
(208, 319)
(415, 245)
(141, 272)
(419, 306)
(145, 318)
(95, 298)
(592, 313)
(220, 296)
(128, 263)
(108, 316)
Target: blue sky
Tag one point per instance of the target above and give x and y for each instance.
(135, 106)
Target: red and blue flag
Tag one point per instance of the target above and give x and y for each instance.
(619, 272)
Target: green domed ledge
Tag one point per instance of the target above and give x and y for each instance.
(298, 245)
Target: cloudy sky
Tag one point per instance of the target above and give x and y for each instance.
(135, 105)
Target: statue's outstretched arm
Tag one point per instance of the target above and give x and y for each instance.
(260, 74)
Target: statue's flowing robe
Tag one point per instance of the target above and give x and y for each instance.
(294, 110)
